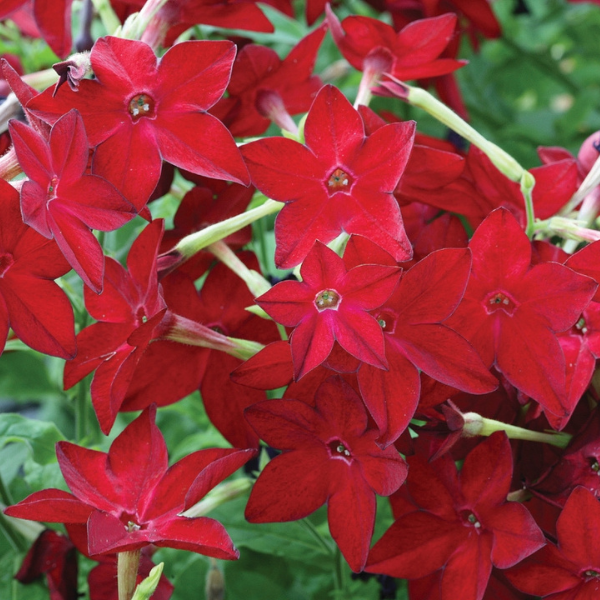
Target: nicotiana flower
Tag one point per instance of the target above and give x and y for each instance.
(131, 498)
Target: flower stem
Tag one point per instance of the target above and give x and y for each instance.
(318, 537)
(185, 331)
(222, 493)
(127, 570)
(193, 243)
(477, 425)
(527, 183)
(503, 161)
(107, 16)
(256, 283)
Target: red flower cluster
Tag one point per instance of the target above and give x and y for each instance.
(392, 319)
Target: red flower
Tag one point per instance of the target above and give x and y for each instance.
(130, 498)
(571, 570)
(417, 338)
(373, 46)
(31, 303)
(140, 111)
(264, 88)
(60, 201)
(459, 522)
(332, 303)
(169, 371)
(128, 312)
(329, 455)
(54, 556)
(340, 180)
(511, 311)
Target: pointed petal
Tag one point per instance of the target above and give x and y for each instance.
(131, 161)
(79, 246)
(415, 545)
(351, 516)
(32, 151)
(203, 535)
(432, 289)
(487, 471)
(194, 75)
(288, 180)
(138, 459)
(51, 506)
(391, 396)
(445, 356)
(291, 487)
(468, 571)
(40, 314)
(86, 475)
(285, 424)
(69, 148)
(312, 342)
(334, 130)
(200, 143)
(516, 534)
(270, 368)
(578, 528)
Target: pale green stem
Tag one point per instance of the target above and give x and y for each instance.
(592, 180)
(503, 161)
(127, 569)
(107, 16)
(195, 242)
(185, 331)
(475, 424)
(224, 492)
(586, 216)
(329, 549)
(527, 183)
(568, 229)
(136, 25)
(256, 283)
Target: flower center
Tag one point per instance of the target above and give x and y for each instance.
(581, 326)
(141, 316)
(6, 262)
(387, 321)
(337, 449)
(339, 181)
(590, 574)
(327, 299)
(470, 520)
(141, 105)
(51, 192)
(500, 301)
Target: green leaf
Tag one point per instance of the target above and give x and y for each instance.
(39, 437)
(291, 540)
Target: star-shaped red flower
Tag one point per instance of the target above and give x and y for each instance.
(61, 201)
(329, 455)
(459, 522)
(511, 311)
(332, 303)
(131, 498)
(140, 111)
(571, 570)
(341, 180)
(35, 307)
